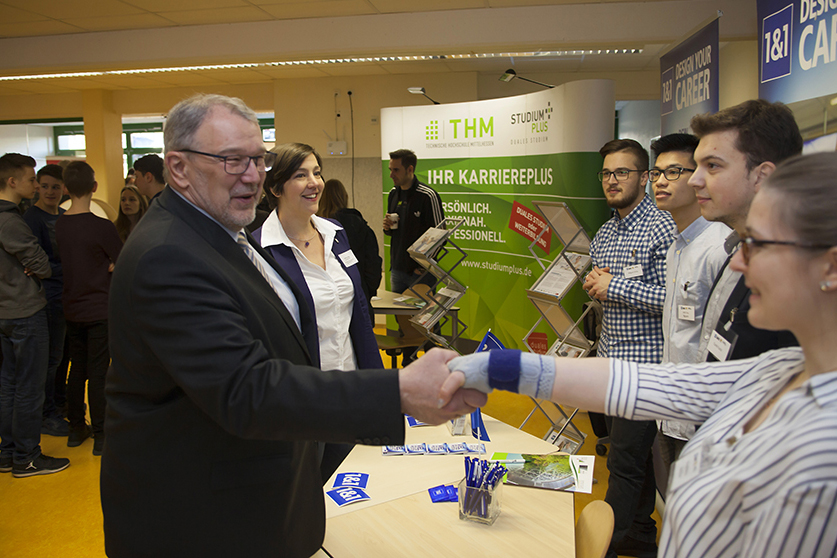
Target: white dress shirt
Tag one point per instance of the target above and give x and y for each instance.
(331, 288)
(693, 261)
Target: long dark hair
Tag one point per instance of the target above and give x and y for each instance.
(123, 223)
(333, 199)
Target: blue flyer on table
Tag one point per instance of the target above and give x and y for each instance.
(356, 480)
(346, 495)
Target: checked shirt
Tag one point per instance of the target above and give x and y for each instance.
(632, 327)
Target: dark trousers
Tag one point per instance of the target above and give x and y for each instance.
(24, 343)
(89, 361)
(631, 490)
(57, 332)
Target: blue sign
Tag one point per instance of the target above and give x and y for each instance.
(797, 49)
(689, 80)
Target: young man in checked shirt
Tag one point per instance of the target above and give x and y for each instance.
(628, 277)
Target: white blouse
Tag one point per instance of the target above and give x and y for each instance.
(331, 288)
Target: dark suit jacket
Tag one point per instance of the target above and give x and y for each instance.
(751, 341)
(213, 397)
(360, 328)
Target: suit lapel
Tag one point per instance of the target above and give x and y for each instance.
(227, 248)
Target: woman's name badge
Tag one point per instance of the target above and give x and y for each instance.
(686, 312)
(348, 258)
(686, 468)
(632, 271)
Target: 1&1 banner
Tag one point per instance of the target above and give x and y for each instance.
(689, 80)
(797, 49)
(489, 160)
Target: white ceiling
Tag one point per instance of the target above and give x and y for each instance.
(59, 36)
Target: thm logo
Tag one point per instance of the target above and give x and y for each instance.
(461, 128)
(431, 131)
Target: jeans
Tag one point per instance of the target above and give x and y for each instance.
(631, 490)
(57, 331)
(89, 358)
(25, 342)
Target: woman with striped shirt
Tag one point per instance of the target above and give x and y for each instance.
(759, 479)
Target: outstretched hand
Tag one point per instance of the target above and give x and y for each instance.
(421, 385)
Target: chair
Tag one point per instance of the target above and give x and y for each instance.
(409, 336)
(594, 530)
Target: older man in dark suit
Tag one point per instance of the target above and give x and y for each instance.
(215, 395)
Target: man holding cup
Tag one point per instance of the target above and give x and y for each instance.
(412, 208)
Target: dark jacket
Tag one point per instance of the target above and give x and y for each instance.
(364, 244)
(213, 398)
(21, 295)
(419, 208)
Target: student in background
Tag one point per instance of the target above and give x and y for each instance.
(148, 176)
(693, 261)
(41, 218)
(24, 336)
(89, 246)
(628, 277)
(335, 205)
(132, 206)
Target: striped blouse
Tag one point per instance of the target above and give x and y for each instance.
(770, 492)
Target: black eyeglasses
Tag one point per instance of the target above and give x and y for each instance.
(238, 164)
(748, 244)
(671, 173)
(620, 174)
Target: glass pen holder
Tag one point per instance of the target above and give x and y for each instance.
(479, 504)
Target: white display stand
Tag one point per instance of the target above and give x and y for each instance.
(547, 295)
(431, 250)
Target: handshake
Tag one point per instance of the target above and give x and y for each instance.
(441, 385)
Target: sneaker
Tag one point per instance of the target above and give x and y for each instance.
(41, 465)
(55, 427)
(78, 436)
(6, 463)
(98, 444)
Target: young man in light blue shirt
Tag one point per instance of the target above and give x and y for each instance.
(694, 259)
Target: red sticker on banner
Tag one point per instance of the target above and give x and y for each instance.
(528, 223)
(538, 342)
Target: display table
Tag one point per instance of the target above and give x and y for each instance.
(401, 520)
(384, 303)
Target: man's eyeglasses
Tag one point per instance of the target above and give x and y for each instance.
(671, 173)
(748, 244)
(238, 164)
(620, 174)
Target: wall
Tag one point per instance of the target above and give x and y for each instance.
(640, 120)
(738, 78)
(33, 140)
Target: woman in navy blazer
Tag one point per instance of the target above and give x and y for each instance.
(315, 252)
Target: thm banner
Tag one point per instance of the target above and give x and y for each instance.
(797, 49)
(689, 80)
(489, 160)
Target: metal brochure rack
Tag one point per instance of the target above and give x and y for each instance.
(430, 251)
(547, 295)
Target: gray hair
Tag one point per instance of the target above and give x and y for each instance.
(186, 117)
(809, 196)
